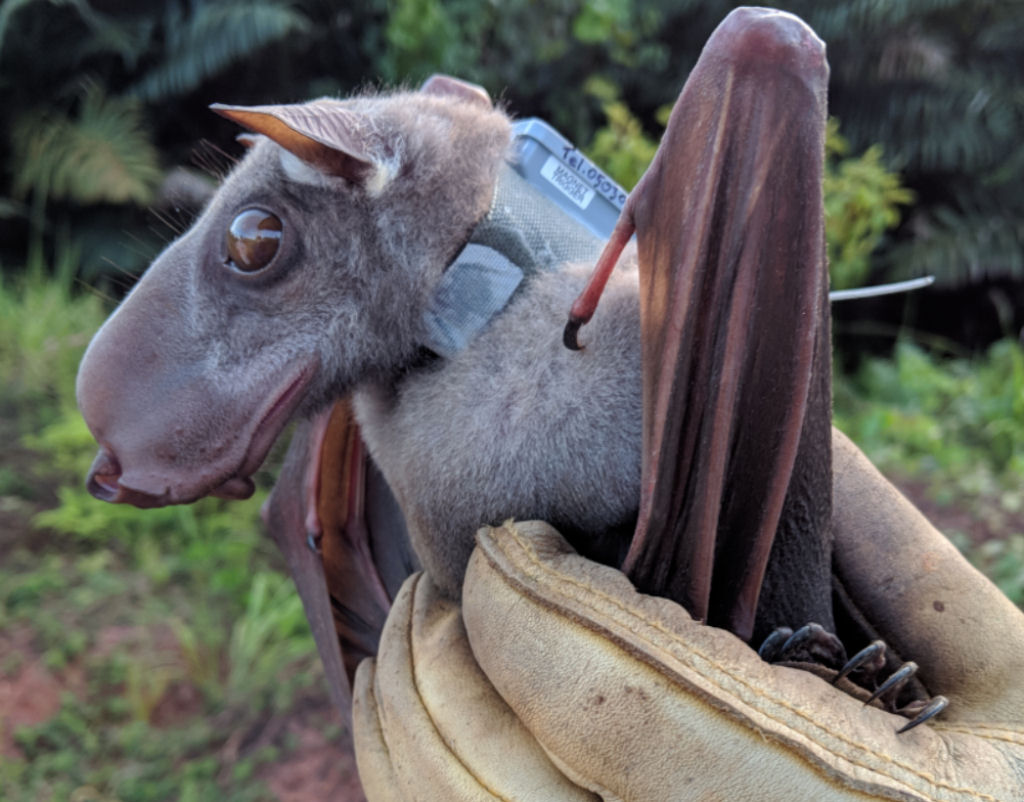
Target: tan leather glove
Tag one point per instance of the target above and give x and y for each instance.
(567, 675)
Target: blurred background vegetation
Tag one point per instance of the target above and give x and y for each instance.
(162, 654)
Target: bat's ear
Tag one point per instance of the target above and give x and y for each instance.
(324, 134)
(438, 84)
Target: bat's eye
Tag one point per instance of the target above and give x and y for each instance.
(252, 238)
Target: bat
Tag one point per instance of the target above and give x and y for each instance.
(700, 402)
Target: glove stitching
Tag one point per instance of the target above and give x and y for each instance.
(657, 625)
(1010, 736)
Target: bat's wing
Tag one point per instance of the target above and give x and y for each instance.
(734, 310)
(328, 506)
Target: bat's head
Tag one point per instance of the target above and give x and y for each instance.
(307, 273)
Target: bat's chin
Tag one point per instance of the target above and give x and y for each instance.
(147, 479)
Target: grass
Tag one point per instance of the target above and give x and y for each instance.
(164, 640)
(168, 646)
(950, 431)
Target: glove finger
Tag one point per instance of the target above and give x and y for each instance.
(923, 597)
(429, 723)
(372, 756)
(631, 697)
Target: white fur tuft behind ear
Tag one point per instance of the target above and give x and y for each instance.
(299, 171)
(384, 173)
(302, 172)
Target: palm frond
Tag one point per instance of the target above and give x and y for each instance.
(102, 155)
(960, 247)
(106, 34)
(969, 124)
(211, 37)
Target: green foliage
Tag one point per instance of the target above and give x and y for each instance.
(955, 429)
(93, 749)
(966, 243)
(916, 413)
(536, 55)
(621, 147)
(44, 328)
(101, 155)
(420, 33)
(203, 40)
(862, 201)
(149, 605)
(938, 82)
(266, 643)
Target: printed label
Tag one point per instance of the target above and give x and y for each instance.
(598, 180)
(567, 182)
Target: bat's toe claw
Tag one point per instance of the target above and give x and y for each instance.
(809, 644)
(868, 662)
(921, 711)
(772, 645)
(895, 681)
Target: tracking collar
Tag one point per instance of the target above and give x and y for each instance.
(523, 234)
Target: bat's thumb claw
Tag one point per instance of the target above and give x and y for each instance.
(570, 337)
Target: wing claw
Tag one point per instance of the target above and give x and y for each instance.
(570, 336)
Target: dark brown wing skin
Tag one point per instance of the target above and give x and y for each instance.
(329, 496)
(734, 309)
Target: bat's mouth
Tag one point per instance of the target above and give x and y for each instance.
(230, 477)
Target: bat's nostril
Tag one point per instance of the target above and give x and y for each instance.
(103, 475)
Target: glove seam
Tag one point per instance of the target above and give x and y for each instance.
(544, 568)
(1007, 735)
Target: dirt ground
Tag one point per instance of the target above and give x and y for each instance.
(314, 768)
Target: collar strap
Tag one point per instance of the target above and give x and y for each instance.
(523, 234)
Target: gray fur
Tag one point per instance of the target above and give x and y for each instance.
(515, 426)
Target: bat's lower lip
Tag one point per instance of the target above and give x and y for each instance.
(236, 488)
(272, 421)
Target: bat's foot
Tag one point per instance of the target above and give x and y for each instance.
(809, 644)
(865, 668)
(814, 644)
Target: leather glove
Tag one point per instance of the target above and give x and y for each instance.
(557, 680)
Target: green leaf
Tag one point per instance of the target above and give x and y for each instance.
(862, 200)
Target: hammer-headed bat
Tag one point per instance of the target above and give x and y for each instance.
(700, 400)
